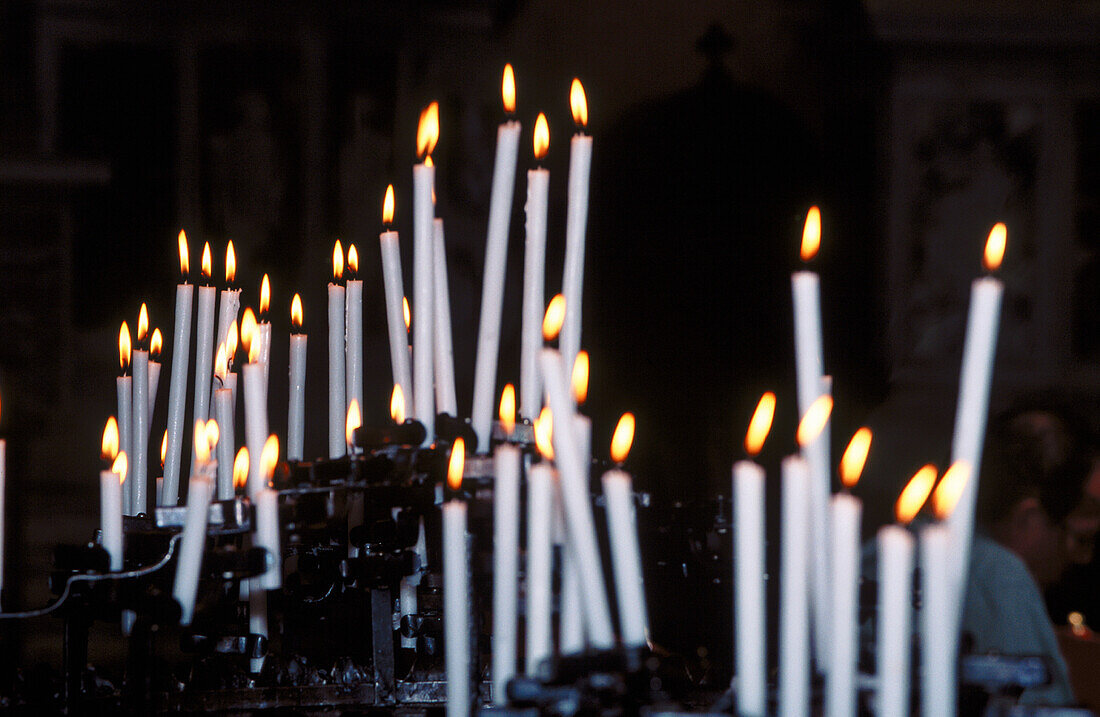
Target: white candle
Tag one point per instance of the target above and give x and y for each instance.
(204, 348)
(337, 407)
(577, 503)
(263, 335)
(423, 303)
(154, 376)
(110, 516)
(794, 618)
(192, 546)
(456, 593)
(296, 411)
(353, 330)
(893, 638)
(939, 636)
(572, 284)
(393, 285)
(267, 537)
(177, 396)
(540, 501)
(255, 424)
(750, 619)
(571, 637)
(496, 259)
(445, 398)
(506, 472)
(840, 693)
(257, 619)
(534, 277)
(223, 413)
(139, 434)
(626, 558)
(124, 390)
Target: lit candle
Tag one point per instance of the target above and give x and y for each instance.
(540, 499)
(534, 277)
(240, 471)
(160, 478)
(124, 390)
(979, 352)
(223, 412)
(139, 431)
(893, 638)
(395, 294)
(353, 330)
(177, 396)
(571, 637)
(496, 259)
(939, 594)
(255, 415)
(506, 472)
(110, 495)
(204, 344)
(263, 329)
(794, 617)
(229, 378)
(424, 272)
(572, 283)
(230, 298)
(456, 591)
(337, 406)
(296, 412)
(156, 345)
(750, 618)
(189, 565)
(626, 558)
(445, 398)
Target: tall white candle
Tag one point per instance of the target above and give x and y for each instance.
(893, 638)
(139, 432)
(840, 693)
(296, 411)
(192, 545)
(506, 477)
(353, 330)
(456, 593)
(124, 389)
(263, 335)
(223, 413)
(267, 518)
(423, 303)
(255, 424)
(534, 277)
(750, 619)
(571, 637)
(177, 390)
(540, 499)
(110, 516)
(445, 398)
(204, 346)
(794, 617)
(626, 558)
(939, 638)
(496, 259)
(572, 284)
(337, 397)
(393, 285)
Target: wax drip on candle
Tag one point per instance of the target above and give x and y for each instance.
(397, 404)
(508, 90)
(915, 494)
(185, 260)
(579, 378)
(995, 247)
(541, 137)
(760, 424)
(578, 104)
(854, 458)
(813, 422)
(124, 348)
(622, 439)
(240, 470)
(508, 410)
(554, 317)
(108, 449)
(811, 234)
(296, 316)
(207, 264)
(230, 264)
(950, 489)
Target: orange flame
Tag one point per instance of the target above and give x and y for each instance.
(456, 463)
(231, 341)
(813, 423)
(265, 295)
(185, 262)
(580, 377)
(248, 329)
(353, 421)
(855, 456)
(221, 363)
(623, 437)
(337, 261)
(143, 322)
(121, 466)
(397, 404)
(296, 311)
(156, 344)
(407, 312)
(124, 346)
(163, 447)
(212, 434)
(542, 136)
(508, 409)
(995, 247)
(761, 424)
(240, 469)
(554, 318)
(353, 258)
(544, 433)
(269, 457)
(578, 103)
(202, 445)
(387, 206)
(108, 447)
(207, 263)
(950, 489)
(508, 89)
(914, 494)
(254, 349)
(427, 130)
(230, 263)
(811, 234)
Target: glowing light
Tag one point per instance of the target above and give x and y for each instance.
(580, 377)
(995, 247)
(221, 363)
(202, 446)
(855, 457)
(185, 262)
(761, 424)
(163, 447)
(407, 312)
(230, 263)
(353, 421)
(397, 404)
(269, 458)
(387, 206)
(813, 423)
(121, 466)
(296, 312)
(427, 130)
(541, 137)
(623, 438)
(156, 344)
(231, 341)
(207, 263)
(353, 259)
(508, 89)
(578, 103)
(337, 261)
(950, 489)
(143, 322)
(554, 318)
(811, 234)
(212, 434)
(108, 447)
(124, 346)
(248, 328)
(265, 295)
(915, 493)
(456, 464)
(544, 434)
(508, 409)
(240, 469)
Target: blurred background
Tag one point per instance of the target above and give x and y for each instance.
(914, 124)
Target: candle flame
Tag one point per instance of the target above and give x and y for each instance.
(124, 346)
(296, 311)
(231, 341)
(544, 433)
(397, 404)
(508, 89)
(156, 344)
(108, 447)
(163, 447)
(508, 409)
(950, 489)
(353, 259)
(254, 349)
(353, 421)
(269, 457)
(578, 103)
(915, 493)
(813, 423)
(121, 466)
(761, 424)
(580, 377)
(212, 434)
(240, 469)
(185, 262)
(143, 322)
(542, 136)
(202, 445)
(221, 363)
(855, 457)
(265, 295)
(995, 247)
(207, 263)
(248, 329)
(456, 463)
(337, 261)
(407, 312)
(427, 130)
(811, 234)
(387, 206)
(623, 438)
(554, 318)
(230, 263)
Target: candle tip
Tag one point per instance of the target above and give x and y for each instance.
(623, 438)
(508, 89)
(456, 464)
(578, 103)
